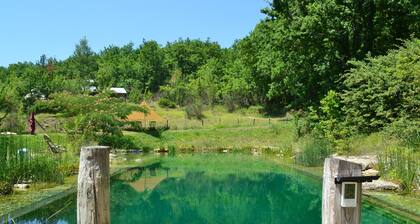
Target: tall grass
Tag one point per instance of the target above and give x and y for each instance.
(26, 158)
(403, 164)
(313, 152)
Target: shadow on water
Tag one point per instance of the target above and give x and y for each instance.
(161, 195)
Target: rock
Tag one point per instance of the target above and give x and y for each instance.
(138, 160)
(256, 152)
(370, 172)
(367, 161)
(380, 185)
(21, 186)
(225, 151)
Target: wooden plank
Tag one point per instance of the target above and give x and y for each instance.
(332, 212)
(93, 186)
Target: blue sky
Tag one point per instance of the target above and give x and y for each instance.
(53, 27)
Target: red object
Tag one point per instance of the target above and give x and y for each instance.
(32, 123)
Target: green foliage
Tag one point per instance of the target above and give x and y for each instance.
(93, 126)
(407, 131)
(327, 121)
(166, 103)
(301, 123)
(314, 151)
(194, 109)
(383, 89)
(83, 63)
(6, 188)
(401, 163)
(9, 103)
(92, 116)
(297, 54)
(33, 164)
(187, 56)
(14, 122)
(118, 142)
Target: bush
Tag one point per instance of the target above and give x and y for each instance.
(195, 110)
(14, 122)
(118, 142)
(44, 106)
(383, 89)
(314, 151)
(301, 124)
(6, 188)
(400, 163)
(166, 103)
(407, 131)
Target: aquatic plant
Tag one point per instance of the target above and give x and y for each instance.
(400, 163)
(314, 151)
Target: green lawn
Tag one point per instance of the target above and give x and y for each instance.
(216, 117)
(274, 135)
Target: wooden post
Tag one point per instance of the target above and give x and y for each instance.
(253, 122)
(269, 120)
(93, 186)
(167, 123)
(202, 123)
(332, 211)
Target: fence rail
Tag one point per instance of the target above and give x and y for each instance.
(182, 124)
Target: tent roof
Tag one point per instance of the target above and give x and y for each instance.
(140, 116)
(118, 90)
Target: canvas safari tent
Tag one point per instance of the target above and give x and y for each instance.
(150, 118)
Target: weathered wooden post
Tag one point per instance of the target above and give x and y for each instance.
(93, 186)
(342, 191)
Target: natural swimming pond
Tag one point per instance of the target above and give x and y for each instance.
(214, 188)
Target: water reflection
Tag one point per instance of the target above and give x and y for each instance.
(160, 195)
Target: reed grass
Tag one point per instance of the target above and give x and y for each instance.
(403, 164)
(25, 158)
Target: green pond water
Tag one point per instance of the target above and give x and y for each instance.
(209, 189)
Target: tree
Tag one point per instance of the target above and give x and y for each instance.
(82, 64)
(188, 55)
(9, 101)
(383, 89)
(153, 70)
(303, 47)
(90, 117)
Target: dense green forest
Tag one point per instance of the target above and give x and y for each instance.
(347, 66)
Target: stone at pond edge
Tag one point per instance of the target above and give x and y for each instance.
(367, 161)
(370, 172)
(21, 186)
(380, 185)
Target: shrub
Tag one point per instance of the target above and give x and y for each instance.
(400, 163)
(407, 131)
(301, 124)
(195, 110)
(118, 142)
(6, 188)
(14, 122)
(383, 89)
(166, 103)
(314, 151)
